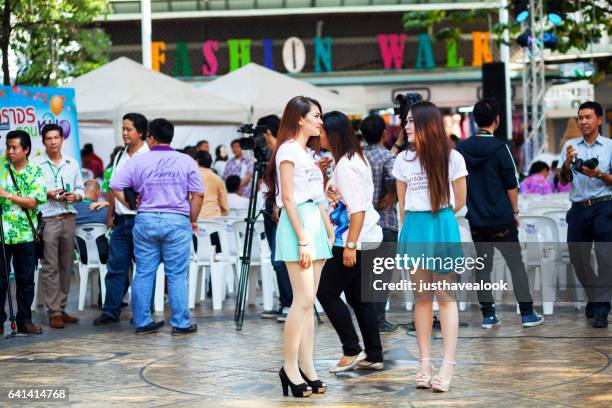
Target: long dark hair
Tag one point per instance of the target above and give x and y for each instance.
(296, 109)
(433, 151)
(342, 138)
(218, 156)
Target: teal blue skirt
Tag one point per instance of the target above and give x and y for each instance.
(286, 240)
(433, 238)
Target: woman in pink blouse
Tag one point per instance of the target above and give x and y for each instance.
(537, 182)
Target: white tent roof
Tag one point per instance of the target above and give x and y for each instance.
(265, 92)
(123, 86)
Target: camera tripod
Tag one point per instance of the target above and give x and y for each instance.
(245, 264)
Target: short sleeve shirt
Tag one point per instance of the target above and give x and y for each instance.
(31, 184)
(353, 181)
(407, 168)
(307, 176)
(163, 178)
(582, 187)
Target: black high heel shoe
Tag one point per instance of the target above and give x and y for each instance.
(318, 386)
(297, 390)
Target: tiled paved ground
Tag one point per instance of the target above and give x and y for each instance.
(564, 363)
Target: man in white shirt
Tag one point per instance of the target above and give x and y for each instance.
(64, 187)
(121, 220)
(235, 200)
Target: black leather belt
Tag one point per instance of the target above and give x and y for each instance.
(127, 216)
(588, 203)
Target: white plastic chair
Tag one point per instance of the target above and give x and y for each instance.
(540, 237)
(89, 233)
(259, 257)
(37, 270)
(207, 257)
(234, 212)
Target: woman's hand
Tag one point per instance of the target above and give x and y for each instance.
(305, 256)
(332, 238)
(332, 196)
(349, 257)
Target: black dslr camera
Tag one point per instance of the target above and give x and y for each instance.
(254, 141)
(591, 163)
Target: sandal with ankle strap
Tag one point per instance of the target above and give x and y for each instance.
(441, 384)
(423, 381)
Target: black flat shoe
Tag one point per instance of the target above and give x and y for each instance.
(152, 327)
(601, 322)
(187, 330)
(104, 319)
(298, 391)
(588, 311)
(318, 386)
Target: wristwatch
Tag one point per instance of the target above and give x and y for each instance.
(351, 245)
(601, 175)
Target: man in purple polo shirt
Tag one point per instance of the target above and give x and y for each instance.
(171, 193)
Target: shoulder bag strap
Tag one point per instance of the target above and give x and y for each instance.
(34, 231)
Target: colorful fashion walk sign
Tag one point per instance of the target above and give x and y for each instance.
(392, 51)
(31, 108)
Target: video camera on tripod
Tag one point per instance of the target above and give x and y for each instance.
(256, 141)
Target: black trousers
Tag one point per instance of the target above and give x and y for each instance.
(505, 239)
(388, 237)
(24, 262)
(285, 295)
(335, 279)
(585, 226)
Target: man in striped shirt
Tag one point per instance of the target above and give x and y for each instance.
(385, 197)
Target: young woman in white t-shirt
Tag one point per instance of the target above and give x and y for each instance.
(356, 230)
(303, 236)
(431, 187)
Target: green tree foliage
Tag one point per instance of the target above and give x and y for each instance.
(584, 24)
(53, 39)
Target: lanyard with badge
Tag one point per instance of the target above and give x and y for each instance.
(65, 187)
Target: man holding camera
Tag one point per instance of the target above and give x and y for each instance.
(587, 163)
(64, 187)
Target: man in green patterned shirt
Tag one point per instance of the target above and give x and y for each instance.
(15, 200)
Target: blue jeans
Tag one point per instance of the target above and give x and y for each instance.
(118, 265)
(285, 295)
(161, 237)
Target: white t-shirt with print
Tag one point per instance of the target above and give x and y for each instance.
(352, 179)
(307, 177)
(407, 168)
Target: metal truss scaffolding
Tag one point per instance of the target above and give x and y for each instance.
(534, 85)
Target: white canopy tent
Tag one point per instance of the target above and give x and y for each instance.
(265, 92)
(104, 95)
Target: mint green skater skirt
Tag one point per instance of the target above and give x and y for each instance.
(286, 240)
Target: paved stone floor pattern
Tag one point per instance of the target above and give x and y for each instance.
(564, 363)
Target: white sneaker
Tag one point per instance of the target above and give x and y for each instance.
(283, 315)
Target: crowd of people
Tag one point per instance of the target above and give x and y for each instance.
(329, 199)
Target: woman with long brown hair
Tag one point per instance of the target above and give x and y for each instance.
(431, 186)
(356, 230)
(303, 235)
